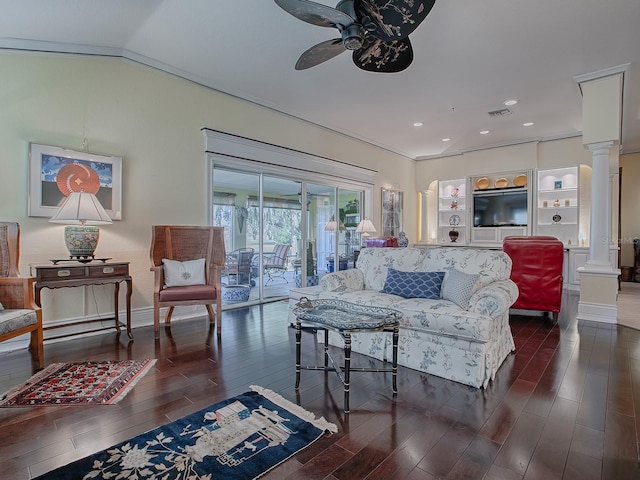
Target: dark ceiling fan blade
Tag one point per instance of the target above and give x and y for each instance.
(385, 57)
(320, 53)
(315, 13)
(393, 20)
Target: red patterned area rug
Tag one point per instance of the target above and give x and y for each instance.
(85, 383)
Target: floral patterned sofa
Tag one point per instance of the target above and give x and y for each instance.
(464, 337)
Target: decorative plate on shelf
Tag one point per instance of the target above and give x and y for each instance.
(501, 183)
(482, 183)
(520, 180)
(556, 218)
(454, 220)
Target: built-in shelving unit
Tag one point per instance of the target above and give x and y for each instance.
(452, 212)
(557, 212)
(511, 216)
(552, 202)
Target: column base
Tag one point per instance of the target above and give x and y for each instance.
(598, 294)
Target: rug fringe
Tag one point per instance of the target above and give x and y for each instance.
(132, 383)
(295, 409)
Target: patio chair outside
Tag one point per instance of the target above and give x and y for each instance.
(238, 265)
(275, 264)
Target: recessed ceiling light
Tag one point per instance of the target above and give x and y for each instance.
(418, 124)
(528, 124)
(510, 102)
(484, 132)
(446, 139)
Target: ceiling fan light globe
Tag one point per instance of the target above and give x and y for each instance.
(353, 43)
(352, 38)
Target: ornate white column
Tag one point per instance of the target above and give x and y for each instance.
(601, 117)
(600, 208)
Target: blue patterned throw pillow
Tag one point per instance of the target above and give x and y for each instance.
(458, 287)
(413, 284)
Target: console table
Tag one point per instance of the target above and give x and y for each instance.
(76, 274)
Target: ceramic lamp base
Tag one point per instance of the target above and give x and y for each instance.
(81, 240)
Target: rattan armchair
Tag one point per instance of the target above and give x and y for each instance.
(182, 243)
(19, 313)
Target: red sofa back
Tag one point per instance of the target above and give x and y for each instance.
(537, 271)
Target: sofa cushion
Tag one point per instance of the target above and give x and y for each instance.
(491, 265)
(459, 286)
(442, 317)
(374, 263)
(364, 297)
(413, 284)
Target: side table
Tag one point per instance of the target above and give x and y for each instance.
(345, 318)
(76, 274)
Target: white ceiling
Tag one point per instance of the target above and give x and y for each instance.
(470, 56)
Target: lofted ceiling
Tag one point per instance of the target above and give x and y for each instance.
(469, 57)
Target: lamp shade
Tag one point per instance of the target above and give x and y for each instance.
(80, 210)
(332, 225)
(365, 227)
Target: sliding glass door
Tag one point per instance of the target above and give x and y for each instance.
(281, 233)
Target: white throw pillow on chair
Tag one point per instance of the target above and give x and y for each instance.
(181, 274)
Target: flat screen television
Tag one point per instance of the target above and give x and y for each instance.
(500, 209)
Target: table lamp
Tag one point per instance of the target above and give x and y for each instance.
(81, 210)
(365, 227)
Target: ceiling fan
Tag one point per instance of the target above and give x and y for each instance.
(377, 31)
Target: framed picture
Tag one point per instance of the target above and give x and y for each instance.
(391, 212)
(557, 185)
(55, 172)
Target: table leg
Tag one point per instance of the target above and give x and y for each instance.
(347, 370)
(129, 292)
(37, 296)
(115, 306)
(394, 365)
(326, 348)
(298, 341)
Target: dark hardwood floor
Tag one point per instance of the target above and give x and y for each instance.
(565, 404)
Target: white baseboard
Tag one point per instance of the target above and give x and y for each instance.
(596, 312)
(140, 317)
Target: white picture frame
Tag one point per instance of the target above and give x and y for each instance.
(100, 174)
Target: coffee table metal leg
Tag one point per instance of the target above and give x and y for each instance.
(394, 365)
(326, 348)
(298, 341)
(347, 370)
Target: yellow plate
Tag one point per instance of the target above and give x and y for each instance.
(501, 183)
(482, 183)
(520, 180)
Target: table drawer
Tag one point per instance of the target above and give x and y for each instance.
(96, 271)
(61, 273)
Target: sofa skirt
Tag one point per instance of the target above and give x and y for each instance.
(471, 363)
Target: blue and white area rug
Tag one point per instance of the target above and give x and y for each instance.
(239, 438)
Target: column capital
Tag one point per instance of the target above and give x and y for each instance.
(595, 147)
